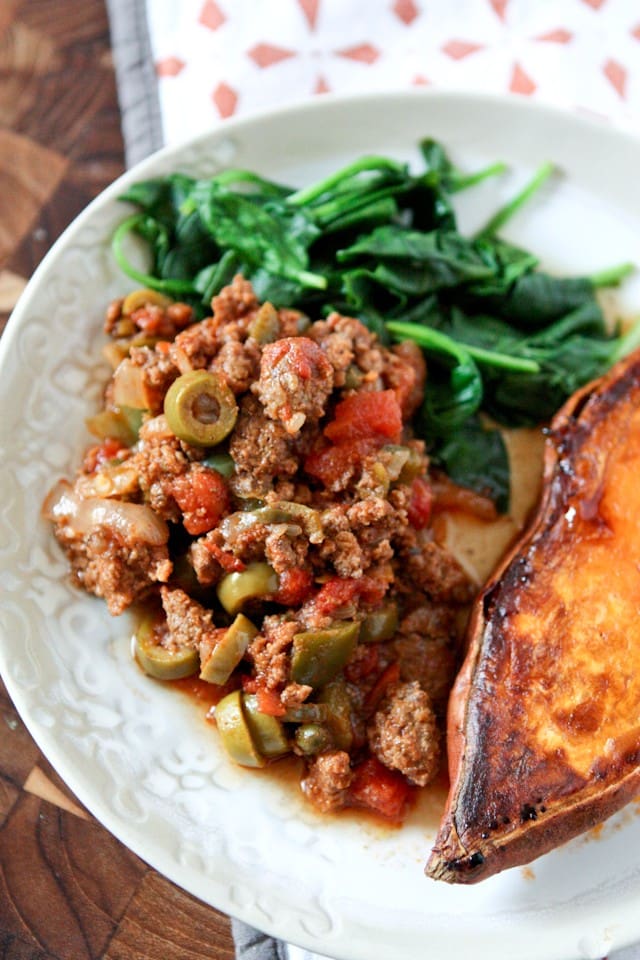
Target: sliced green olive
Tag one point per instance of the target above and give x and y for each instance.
(257, 581)
(319, 655)
(229, 651)
(200, 408)
(312, 738)
(336, 697)
(380, 625)
(267, 731)
(307, 713)
(412, 468)
(265, 326)
(308, 518)
(161, 662)
(222, 462)
(235, 733)
(143, 298)
(286, 511)
(353, 377)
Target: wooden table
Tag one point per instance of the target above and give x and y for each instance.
(68, 889)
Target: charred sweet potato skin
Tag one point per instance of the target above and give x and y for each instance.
(544, 719)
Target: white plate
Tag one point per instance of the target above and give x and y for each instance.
(138, 755)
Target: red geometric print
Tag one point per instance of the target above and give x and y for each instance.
(617, 77)
(585, 54)
(265, 54)
(406, 10)
(310, 10)
(169, 67)
(556, 36)
(521, 82)
(364, 53)
(500, 8)
(211, 15)
(225, 99)
(459, 49)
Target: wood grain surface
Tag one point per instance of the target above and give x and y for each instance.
(68, 889)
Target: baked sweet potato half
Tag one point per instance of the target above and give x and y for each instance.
(544, 718)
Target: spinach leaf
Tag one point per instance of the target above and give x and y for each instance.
(269, 234)
(476, 456)
(437, 259)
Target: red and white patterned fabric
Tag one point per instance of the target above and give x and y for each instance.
(218, 58)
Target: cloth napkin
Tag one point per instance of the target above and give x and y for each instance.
(183, 67)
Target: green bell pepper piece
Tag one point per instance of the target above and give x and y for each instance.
(319, 655)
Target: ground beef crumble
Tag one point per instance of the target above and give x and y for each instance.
(353, 646)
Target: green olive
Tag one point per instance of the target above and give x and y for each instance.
(265, 326)
(200, 408)
(336, 697)
(307, 713)
(380, 625)
(312, 738)
(161, 662)
(143, 298)
(319, 655)
(413, 468)
(229, 651)
(222, 462)
(258, 580)
(235, 733)
(267, 731)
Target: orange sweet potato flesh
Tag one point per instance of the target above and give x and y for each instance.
(543, 729)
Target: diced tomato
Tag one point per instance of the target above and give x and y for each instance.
(226, 560)
(374, 415)
(203, 497)
(269, 702)
(377, 788)
(340, 592)
(300, 355)
(364, 665)
(389, 675)
(249, 684)
(420, 504)
(449, 496)
(335, 464)
(102, 453)
(295, 587)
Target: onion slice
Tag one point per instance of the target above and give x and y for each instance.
(131, 522)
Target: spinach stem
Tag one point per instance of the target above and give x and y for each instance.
(612, 276)
(463, 181)
(315, 190)
(627, 343)
(505, 213)
(146, 279)
(432, 339)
